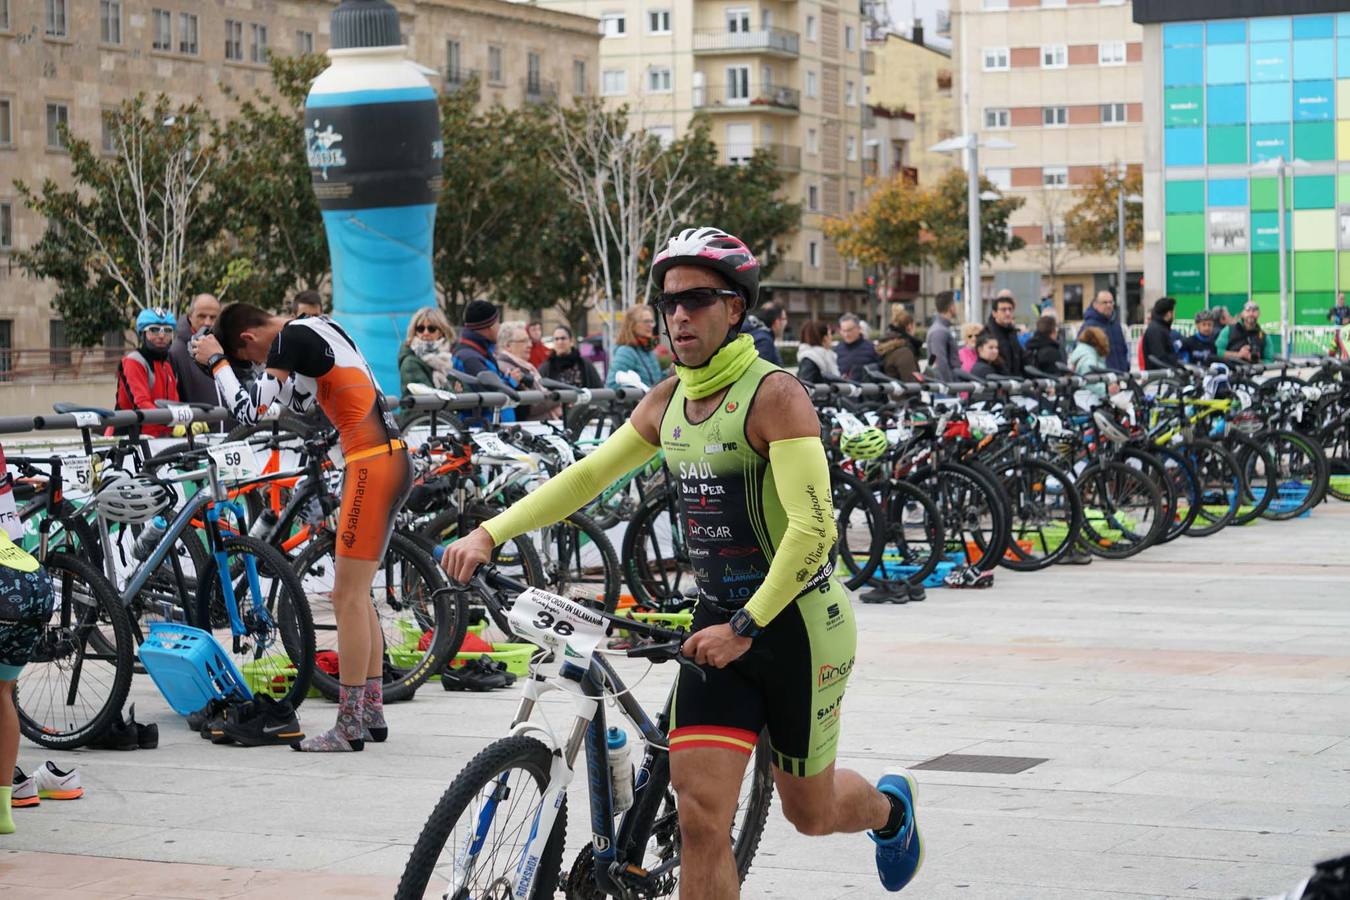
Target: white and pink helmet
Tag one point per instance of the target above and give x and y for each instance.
(711, 248)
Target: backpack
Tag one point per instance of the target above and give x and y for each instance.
(122, 378)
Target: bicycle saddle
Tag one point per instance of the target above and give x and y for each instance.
(63, 408)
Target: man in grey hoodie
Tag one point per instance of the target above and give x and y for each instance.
(195, 384)
(943, 348)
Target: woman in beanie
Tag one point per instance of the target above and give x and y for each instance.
(636, 348)
(425, 356)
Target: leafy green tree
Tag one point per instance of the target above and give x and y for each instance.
(1093, 223)
(948, 229)
(129, 230)
(262, 188)
(887, 231)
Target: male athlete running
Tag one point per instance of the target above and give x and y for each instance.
(742, 440)
(309, 360)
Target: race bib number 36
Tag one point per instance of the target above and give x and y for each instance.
(557, 624)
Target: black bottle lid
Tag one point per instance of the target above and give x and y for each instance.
(365, 23)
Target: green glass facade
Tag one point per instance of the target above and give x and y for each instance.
(1237, 92)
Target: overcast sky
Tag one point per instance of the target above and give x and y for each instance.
(903, 11)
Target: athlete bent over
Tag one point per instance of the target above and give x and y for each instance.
(309, 360)
(742, 440)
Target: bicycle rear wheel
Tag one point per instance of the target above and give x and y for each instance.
(1260, 482)
(656, 559)
(973, 513)
(860, 524)
(579, 561)
(81, 667)
(485, 818)
(1047, 514)
(1123, 510)
(1303, 473)
(1220, 487)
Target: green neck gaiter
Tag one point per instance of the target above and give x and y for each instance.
(726, 366)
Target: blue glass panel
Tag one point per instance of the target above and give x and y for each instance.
(1343, 57)
(1313, 27)
(1266, 230)
(1313, 100)
(1184, 146)
(1189, 34)
(1227, 64)
(1269, 141)
(1272, 29)
(1271, 102)
(1228, 192)
(1227, 31)
(1183, 65)
(1227, 104)
(1314, 59)
(1270, 61)
(1343, 24)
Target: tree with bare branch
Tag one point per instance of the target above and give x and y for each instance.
(1054, 251)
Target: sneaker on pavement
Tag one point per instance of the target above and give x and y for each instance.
(969, 578)
(899, 856)
(234, 711)
(121, 735)
(213, 708)
(54, 784)
(24, 791)
(272, 722)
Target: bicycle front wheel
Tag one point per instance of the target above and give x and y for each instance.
(471, 844)
(275, 651)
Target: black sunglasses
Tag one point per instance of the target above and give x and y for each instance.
(693, 299)
(426, 327)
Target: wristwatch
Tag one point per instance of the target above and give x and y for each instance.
(744, 624)
(215, 358)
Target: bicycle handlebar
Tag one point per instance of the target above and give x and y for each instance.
(121, 419)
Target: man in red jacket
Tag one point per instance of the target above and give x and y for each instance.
(145, 374)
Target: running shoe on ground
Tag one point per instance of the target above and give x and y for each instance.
(54, 784)
(234, 711)
(481, 674)
(196, 720)
(272, 722)
(899, 856)
(897, 592)
(969, 578)
(121, 735)
(24, 791)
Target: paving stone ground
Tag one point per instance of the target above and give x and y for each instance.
(1193, 706)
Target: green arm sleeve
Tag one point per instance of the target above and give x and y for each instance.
(1221, 343)
(575, 486)
(802, 477)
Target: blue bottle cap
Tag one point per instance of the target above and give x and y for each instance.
(365, 23)
(616, 738)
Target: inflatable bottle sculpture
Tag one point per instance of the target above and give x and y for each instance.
(373, 142)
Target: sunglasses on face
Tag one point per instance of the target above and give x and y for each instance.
(692, 300)
(425, 328)
(159, 329)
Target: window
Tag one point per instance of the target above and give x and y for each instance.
(6, 335)
(187, 33)
(1113, 113)
(663, 133)
(257, 45)
(851, 152)
(740, 143)
(452, 62)
(580, 86)
(1046, 4)
(811, 28)
(995, 59)
(1053, 234)
(162, 22)
(852, 201)
(56, 340)
(234, 39)
(1111, 53)
(850, 93)
(495, 65)
(738, 21)
(813, 198)
(1000, 178)
(4, 15)
(110, 21)
(6, 224)
(996, 118)
(1055, 176)
(1054, 56)
(850, 38)
(304, 42)
(614, 82)
(811, 88)
(532, 81)
(613, 25)
(658, 21)
(1054, 116)
(6, 120)
(813, 254)
(812, 141)
(56, 18)
(58, 114)
(995, 4)
(738, 83)
(658, 80)
(108, 138)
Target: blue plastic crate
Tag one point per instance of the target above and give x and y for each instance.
(189, 667)
(1289, 496)
(894, 571)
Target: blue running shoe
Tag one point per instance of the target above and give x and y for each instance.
(899, 858)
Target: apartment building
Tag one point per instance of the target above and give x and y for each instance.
(65, 61)
(779, 74)
(1062, 81)
(913, 107)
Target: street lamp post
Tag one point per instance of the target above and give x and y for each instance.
(971, 143)
(1121, 289)
(1281, 166)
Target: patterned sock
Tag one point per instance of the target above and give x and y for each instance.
(372, 713)
(6, 815)
(345, 736)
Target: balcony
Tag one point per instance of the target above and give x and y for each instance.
(788, 156)
(787, 271)
(869, 118)
(869, 62)
(775, 41)
(715, 98)
(537, 91)
(457, 80)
